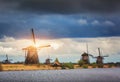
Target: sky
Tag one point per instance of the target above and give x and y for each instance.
(65, 24)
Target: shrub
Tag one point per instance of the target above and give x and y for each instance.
(85, 66)
(63, 66)
(110, 65)
(94, 65)
(81, 62)
(38, 65)
(68, 65)
(100, 65)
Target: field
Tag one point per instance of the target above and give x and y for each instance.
(21, 67)
(73, 75)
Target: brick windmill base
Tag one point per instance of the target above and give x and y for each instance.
(32, 56)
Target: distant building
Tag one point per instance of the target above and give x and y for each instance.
(56, 63)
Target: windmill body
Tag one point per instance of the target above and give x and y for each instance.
(85, 58)
(99, 60)
(32, 55)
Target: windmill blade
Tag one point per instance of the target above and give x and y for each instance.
(33, 36)
(6, 57)
(24, 48)
(92, 56)
(106, 56)
(44, 46)
(87, 47)
(99, 52)
(10, 60)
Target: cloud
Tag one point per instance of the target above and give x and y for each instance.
(7, 39)
(103, 23)
(82, 22)
(95, 22)
(64, 47)
(65, 6)
(109, 23)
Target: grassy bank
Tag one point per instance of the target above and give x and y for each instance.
(22, 67)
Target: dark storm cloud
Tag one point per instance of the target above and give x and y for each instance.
(7, 29)
(18, 16)
(68, 6)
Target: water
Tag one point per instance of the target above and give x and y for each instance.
(75, 75)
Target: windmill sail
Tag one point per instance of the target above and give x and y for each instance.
(33, 36)
(99, 51)
(87, 47)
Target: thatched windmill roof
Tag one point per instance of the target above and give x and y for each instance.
(84, 54)
(56, 62)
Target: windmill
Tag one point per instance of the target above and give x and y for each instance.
(47, 61)
(7, 60)
(31, 52)
(85, 56)
(99, 58)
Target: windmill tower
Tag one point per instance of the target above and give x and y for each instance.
(85, 56)
(99, 58)
(31, 52)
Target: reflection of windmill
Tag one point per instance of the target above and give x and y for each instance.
(7, 61)
(31, 57)
(99, 58)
